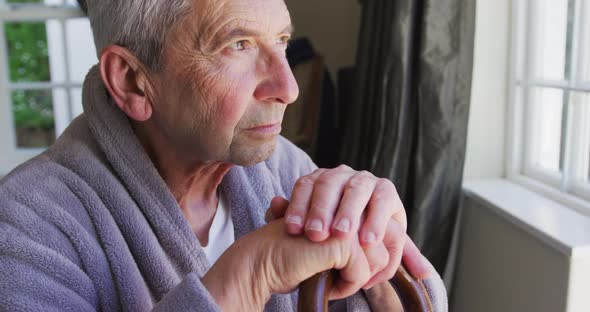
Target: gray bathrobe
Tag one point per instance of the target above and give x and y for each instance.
(90, 225)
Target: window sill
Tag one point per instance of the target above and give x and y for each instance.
(551, 192)
(566, 229)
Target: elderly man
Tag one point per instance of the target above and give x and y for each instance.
(155, 197)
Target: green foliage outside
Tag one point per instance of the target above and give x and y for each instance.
(29, 62)
(23, 1)
(33, 109)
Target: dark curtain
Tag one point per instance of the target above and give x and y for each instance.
(408, 117)
(83, 6)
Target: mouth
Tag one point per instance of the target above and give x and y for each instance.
(268, 129)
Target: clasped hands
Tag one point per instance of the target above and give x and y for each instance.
(336, 219)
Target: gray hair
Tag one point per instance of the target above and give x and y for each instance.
(141, 26)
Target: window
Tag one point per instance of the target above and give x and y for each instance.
(550, 96)
(46, 49)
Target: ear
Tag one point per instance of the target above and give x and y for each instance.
(127, 82)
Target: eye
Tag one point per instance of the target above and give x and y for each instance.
(240, 45)
(284, 40)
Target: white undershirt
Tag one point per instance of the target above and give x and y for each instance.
(221, 233)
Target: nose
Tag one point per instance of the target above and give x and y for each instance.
(277, 83)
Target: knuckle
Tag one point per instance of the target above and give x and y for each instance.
(336, 176)
(381, 262)
(380, 196)
(397, 250)
(384, 191)
(305, 181)
(368, 174)
(324, 182)
(343, 167)
(342, 252)
(358, 182)
(331, 174)
(387, 185)
(319, 171)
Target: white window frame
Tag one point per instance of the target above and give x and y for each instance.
(10, 154)
(561, 188)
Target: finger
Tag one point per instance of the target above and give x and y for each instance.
(351, 276)
(383, 205)
(394, 241)
(278, 206)
(415, 262)
(377, 257)
(399, 213)
(324, 202)
(300, 199)
(357, 193)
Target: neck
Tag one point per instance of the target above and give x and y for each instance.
(193, 182)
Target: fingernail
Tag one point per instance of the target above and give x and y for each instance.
(294, 220)
(343, 225)
(369, 237)
(315, 225)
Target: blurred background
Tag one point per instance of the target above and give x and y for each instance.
(479, 111)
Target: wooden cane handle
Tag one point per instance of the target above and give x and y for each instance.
(313, 292)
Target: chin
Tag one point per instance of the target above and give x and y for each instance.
(250, 155)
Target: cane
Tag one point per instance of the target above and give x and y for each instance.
(313, 292)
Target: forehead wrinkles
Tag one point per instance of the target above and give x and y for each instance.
(219, 16)
(207, 17)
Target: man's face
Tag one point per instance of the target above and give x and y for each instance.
(226, 82)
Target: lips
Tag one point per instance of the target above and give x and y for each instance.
(271, 128)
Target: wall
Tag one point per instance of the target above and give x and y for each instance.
(332, 26)
(519, 251)
(500, 267)
(487, 124)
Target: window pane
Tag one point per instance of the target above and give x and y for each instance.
(76, 97)
(588, 155)
(45, 2)
(584, 105)
(547, 128)
(520, 39)
(24, 1)
(81, 51)
(33, 118)
(585, 50)
(550, 41)
(66, 3)
(27, 51)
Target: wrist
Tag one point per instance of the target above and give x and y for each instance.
(234, 282)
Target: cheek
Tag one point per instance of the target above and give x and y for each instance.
(229, 94)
